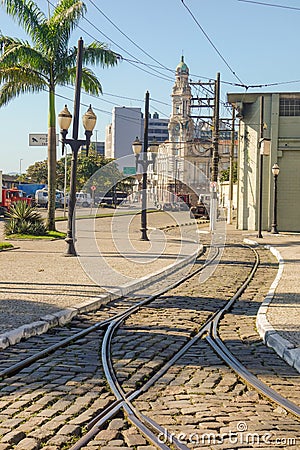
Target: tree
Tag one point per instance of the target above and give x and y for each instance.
(224, 176)
(49, 62)
(86, 167)
(37, 172)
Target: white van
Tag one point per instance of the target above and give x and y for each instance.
(41, 198)
(83, 199)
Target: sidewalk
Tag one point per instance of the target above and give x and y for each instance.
(40, 287)
(278, 319)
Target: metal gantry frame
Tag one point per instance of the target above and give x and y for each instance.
(207, 109)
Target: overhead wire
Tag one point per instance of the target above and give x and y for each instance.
(151, 67)
(211, 42)
(126, 36)
(270, 4)
(161, 65)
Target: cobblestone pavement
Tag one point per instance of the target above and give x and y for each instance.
(238, 331)
(205, 404)
(49, 404)
(151, 336)
(36, 280)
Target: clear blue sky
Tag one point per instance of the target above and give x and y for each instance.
(259, 43)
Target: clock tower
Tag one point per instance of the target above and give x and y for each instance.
(181, 126)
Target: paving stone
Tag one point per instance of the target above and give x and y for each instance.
(71, 430)
(27, 444)
(14, 437)
(107, 435)
(116, 424)
(146, 447)
(133, 440)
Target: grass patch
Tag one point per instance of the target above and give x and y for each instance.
(5, 245)
(49, 235)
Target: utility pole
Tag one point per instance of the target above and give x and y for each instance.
(215, 157)
(206, 108)
(231, 157)
(261, 156)
(145, 167)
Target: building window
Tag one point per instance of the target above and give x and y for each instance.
(289, 106)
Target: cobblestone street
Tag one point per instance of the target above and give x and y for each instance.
(198, 400)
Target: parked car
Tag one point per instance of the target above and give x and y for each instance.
(83, 199)
(199, 212)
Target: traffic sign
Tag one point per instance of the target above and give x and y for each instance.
(129, 171)
(93, 188)
(39, 140)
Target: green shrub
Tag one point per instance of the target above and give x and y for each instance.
(24, 219)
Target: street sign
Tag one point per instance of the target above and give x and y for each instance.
(129, 171)
(39, 140)
(93, 188)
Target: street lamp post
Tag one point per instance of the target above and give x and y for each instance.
(275, 171)
(144, 162)
(64, 121)
(21, 159)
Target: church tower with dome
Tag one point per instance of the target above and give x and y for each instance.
(181, 126)
(176, 163)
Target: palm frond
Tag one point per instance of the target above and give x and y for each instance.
(64, 20)
(22, 54)
(22, 74)
(6, 41)
(98, 53)
(90, 83)
(11, 90)
(27, 14)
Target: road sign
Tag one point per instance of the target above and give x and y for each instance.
(129, 171)
(93, 188)
(39, 140)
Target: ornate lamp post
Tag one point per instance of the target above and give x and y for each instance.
(64, 121)
(275, 171)
(144, 162)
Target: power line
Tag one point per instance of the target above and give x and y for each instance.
(160, 75)
(152, 67)
(270, 4)
(127, 37)
(210, 41)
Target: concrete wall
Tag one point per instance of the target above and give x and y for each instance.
(284, 132)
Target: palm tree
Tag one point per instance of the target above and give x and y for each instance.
(47, 63)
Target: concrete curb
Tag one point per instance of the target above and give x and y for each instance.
(283, 347)
(66, 315)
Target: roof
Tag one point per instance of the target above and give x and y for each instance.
(182, 67)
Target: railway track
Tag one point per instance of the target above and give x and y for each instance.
(172, 324)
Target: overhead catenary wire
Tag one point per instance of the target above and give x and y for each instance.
(270, 4)
(136, 62)
(211, 42)
(127, 37)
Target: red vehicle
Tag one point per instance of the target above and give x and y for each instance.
(186, 198)
(10, 196)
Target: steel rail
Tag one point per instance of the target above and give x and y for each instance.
(220, 348)
(17, 367)
(123, 400)
(140, 420)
